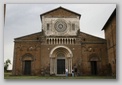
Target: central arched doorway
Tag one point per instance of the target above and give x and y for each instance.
(60, 63)
(60, 59)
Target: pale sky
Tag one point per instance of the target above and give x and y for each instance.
(24, 19)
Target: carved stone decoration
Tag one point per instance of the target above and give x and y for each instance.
(60, 26)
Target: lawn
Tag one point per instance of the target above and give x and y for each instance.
(9, 76)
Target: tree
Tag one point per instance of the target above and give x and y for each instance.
(6, 64)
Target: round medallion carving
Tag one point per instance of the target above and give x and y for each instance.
(60, 26)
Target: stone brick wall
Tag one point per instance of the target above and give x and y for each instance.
(81, 49)
(40, 50)
(110, 35)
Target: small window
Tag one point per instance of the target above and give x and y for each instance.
(73, 26)
(84, 39)
(48, 26)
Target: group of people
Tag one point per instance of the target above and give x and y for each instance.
(74, 72)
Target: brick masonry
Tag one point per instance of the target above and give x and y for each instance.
(89, 52)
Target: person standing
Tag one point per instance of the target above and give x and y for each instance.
(72, 73)
(75, 71)
(66, 72)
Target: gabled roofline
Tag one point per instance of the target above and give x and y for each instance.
(93, 35)
(27, 35)
(110, 18)
(59, 8)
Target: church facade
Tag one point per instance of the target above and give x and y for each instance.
(58, 46)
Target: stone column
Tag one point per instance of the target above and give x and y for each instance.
(69, 41)
(72, 41)
(62, 41)
(54, 40)
(50, 65)
(54, 65)
(58, 40)
(69, 66)
(66, 41)
(49, 41)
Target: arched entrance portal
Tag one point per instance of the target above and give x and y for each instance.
(60, 59)
(94, 63)
(27, 64)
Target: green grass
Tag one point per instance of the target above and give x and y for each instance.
(9, 76)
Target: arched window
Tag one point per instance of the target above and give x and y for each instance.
(48, 26)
